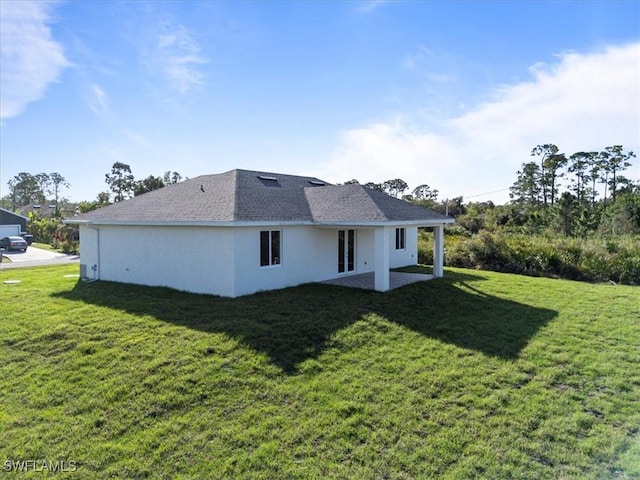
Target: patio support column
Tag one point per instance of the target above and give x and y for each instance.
(438, 251)
(381, 272)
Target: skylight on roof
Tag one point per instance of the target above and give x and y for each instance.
(267, 177)
(316, 182)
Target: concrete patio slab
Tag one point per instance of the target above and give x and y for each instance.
(366, 280)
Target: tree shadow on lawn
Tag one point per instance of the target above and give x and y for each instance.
(296, 324)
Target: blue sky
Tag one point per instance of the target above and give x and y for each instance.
(453, 94)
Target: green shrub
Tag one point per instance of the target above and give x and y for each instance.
(629, 270)
(43, 229)
(69, 247)
(614, 259)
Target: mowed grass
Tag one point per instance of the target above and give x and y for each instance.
(44, 246)
(476, 375)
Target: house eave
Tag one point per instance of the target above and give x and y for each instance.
(389, 223)
(188, 223)
(194, 223)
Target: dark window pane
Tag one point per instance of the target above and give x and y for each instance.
(264, 248)
(400, 233)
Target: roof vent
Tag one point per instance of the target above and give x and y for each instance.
(316, 182)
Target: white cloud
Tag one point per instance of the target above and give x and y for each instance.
(98, 100)
(29, 58)
(582, 102)
(382, 151)
(175, 53)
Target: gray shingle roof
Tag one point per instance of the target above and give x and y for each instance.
(355, 203)
(249, 196)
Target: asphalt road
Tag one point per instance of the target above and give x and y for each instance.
(35, 257)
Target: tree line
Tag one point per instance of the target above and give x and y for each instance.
(538, 182)
(570, 216)
(26, 188)
(42, 188)
(578, 194)
(123, 185)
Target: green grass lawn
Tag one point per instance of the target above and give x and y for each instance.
(477, 375)
(45, 246)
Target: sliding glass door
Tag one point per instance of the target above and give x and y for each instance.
(346, 251)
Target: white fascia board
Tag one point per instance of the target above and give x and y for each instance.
(184, 224)
(395, 223)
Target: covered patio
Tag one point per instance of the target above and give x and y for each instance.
(366, 281)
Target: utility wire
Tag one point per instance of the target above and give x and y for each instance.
(487, 193)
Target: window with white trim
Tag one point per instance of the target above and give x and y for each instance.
(269, 248)
(401, 233)
(346, 251)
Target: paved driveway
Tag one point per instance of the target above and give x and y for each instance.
(36, 256)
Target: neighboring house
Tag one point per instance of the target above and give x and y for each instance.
(241, 232)
(49, 209)
(12, 223)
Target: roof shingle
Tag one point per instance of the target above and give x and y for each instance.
(249, 196)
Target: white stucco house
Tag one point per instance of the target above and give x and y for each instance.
(241, 232)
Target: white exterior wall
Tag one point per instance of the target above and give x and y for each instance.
(226, 261)
(308, 254)
(195, 259)
(89, 252)
(296, 256)
(365, 254)
(408, 256)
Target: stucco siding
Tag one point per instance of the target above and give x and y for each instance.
(407, 256)
(195, 259)
(308, 254)
(365, 251)
(303, 258)
(89, 260)
(224, 260)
